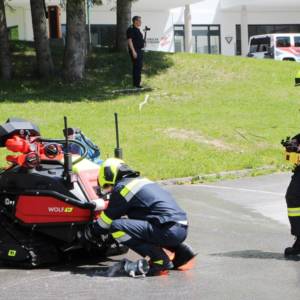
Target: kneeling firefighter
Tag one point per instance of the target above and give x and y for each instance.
(153, 219)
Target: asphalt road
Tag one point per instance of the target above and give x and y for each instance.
(238, 227)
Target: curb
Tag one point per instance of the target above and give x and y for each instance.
(217, 176)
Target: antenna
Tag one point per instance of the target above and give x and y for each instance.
(67, 158)
(118, 150)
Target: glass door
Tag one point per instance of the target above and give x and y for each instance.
(179, 38)
(200, 37)
(214, 40)
(206, 39)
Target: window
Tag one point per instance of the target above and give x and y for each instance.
(238, 37)
(104, 35)
(283, 41)
(260, 44)
(278, 28)
(101, 35)
(215, 39)
(13, 33)
(206, 38)
(200, 39)
(179, 38)
(297, 41)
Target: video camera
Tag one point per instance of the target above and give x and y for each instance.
(292, 149)
(146, 29)
(291, 145)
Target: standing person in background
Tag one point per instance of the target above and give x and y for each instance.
(136, 43)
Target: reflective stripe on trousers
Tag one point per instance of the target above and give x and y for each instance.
(104, 221)
(121, 236)
(294, 212)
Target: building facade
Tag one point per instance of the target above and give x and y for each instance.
(207, 26)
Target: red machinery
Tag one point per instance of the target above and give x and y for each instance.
(45, 197)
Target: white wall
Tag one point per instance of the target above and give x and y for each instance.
(21, 17)
(210, 12)
(229, 19)
(161, 36)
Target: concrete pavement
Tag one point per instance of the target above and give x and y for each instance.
(239, 228)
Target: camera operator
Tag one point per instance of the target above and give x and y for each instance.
(136, 43)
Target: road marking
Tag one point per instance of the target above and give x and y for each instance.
(217, 187)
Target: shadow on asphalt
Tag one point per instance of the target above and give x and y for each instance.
(257, 254)
(92, 268)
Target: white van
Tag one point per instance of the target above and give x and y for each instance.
(279, 46)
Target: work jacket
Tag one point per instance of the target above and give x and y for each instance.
(141, 199)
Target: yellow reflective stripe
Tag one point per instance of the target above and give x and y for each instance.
(105, 218)
(102, 224)
(12, 252)
(114, 172)
(132, 183)
(125, 191)
(159, 262)
(118, 234)
(294, 215)
(121, 236)
(294, 212)
(134, 187)
(294, 209)
(129, 187)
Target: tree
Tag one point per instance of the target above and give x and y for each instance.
(5, 55)
(123, 22)
(76, 42)
(41, 39)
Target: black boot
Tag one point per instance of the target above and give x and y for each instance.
(294, 250)
(160, 269)
(183, 254)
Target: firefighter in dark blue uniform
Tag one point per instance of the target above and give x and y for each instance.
(292, 147)
(135, 45)
(154, 220)
(293, 204)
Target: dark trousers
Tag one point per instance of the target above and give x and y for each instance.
(293, 202)
(148, 239)
(137, 66)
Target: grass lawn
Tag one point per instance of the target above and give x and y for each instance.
(205, 113)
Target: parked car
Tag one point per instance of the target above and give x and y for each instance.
(279, 46)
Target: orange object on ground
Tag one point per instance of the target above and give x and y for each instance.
(189, 265)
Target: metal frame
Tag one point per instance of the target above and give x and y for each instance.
(208, 35)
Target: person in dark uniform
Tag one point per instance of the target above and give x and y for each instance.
(153, 218)
(293, 203)
(293, 197)
(136, 44)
